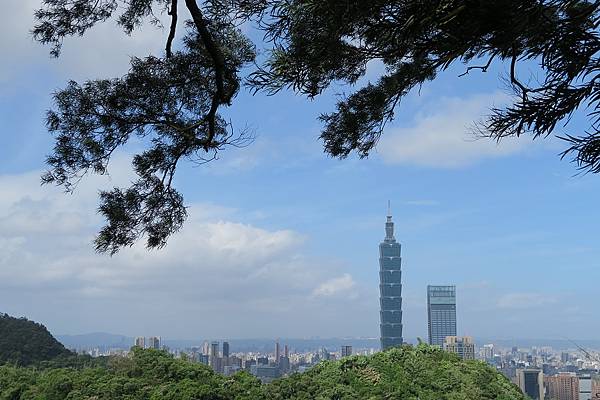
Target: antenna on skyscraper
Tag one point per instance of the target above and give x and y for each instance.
(389, 208)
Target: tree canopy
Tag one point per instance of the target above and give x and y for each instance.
(422, 373)
(173, 100)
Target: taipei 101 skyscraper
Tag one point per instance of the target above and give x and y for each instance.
(390, 288)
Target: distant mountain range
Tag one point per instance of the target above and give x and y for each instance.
(104, 340)
(96, 339)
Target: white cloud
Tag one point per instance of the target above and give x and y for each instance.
(103, 52)
(335, 286)
(525, 300)
(440, 136)
(215, 277)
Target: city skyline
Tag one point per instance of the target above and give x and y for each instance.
(538, 370)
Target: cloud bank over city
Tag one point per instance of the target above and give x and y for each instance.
(221, 272)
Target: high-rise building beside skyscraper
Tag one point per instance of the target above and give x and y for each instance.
(441, 313)
(390, 288)
(277, 351)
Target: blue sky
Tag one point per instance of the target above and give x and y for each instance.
(282, 240)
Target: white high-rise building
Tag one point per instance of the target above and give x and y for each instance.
(154, 342)
(487, 351)
(140, 342)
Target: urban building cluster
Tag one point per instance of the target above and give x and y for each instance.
(261, 365)
(265, 366)
(219, 356)
(542, 373)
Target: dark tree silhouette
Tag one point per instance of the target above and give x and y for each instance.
(171, 102)
(175, 99)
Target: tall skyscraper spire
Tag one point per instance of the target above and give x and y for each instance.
(389, 227)
(390, 287)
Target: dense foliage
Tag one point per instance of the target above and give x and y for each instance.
(173, 100)
(25, 342)
(147, 374)
(421, 373)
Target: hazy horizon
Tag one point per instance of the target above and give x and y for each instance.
(282, 339)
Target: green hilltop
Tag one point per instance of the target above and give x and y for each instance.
(24, 342)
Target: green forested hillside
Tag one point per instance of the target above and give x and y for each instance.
(25, 342)
(420, 373)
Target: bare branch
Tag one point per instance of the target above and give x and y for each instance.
(173, 13)
(513, 75)
(220, 97)
(483, 68)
